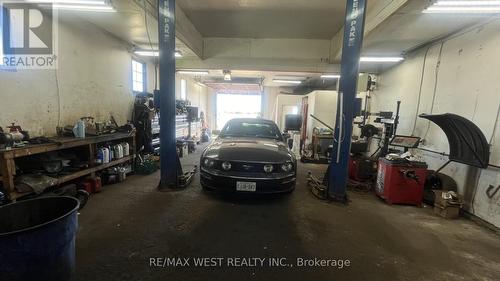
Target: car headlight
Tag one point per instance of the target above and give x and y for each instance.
(287, 167)
(226, 166)
(268, 168)
(209, 163)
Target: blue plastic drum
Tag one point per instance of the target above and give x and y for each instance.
(37, 239)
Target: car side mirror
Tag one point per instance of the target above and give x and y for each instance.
(286, 136)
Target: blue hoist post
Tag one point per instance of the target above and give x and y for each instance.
(168, 152)
(353, 41)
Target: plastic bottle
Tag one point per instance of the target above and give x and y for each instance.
(100, 156)
(126, 149)
(79, 129)
(105, 155)
(111, 153)
(118, 151)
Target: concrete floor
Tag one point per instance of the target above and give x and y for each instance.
(129, 223)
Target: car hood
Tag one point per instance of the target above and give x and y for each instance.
(249, 149)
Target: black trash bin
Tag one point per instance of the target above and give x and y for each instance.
(37, 239)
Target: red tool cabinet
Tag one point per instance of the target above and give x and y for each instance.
(401, 181)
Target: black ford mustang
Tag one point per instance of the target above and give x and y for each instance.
(250, 156)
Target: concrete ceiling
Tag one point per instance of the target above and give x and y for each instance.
(409, 28)
(128, 24)
(273, 36)
(267, 24)
(312, 19)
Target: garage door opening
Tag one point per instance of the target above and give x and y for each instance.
(231, 106)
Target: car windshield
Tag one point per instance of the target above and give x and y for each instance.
(246, 128)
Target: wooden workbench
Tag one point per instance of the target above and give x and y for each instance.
(8, 156)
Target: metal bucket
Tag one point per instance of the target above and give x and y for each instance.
(37, 239)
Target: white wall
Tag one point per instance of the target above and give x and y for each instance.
(323, 105)
(269, 98)
(284, 100)
(211, 109)
(196, 93)
(94, 79)
(467, 85)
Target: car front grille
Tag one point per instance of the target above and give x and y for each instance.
(248, 167)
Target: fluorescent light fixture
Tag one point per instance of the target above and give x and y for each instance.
(289, 77)
(84, 8)
(225, 83)
(330, 76)
(462, 10)
(146, 53)
(77, 5)
(381, 59)
(193, 72)
(467, 3)
(77, 2)
(287, 81)
(464, 7)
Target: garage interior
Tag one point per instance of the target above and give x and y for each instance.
(389, 107)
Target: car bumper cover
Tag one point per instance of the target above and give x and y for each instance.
(263, 185)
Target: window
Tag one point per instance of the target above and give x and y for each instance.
(138, 76)
(183, 89)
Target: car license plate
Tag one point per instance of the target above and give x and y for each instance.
(246, 186)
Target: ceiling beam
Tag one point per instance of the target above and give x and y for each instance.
(186, 32)
(259, 64)
(262, 54)
(375, 16)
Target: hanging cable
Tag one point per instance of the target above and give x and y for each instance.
(420, 90)
(155, 60)
(495, 125)
(438, 66)
(58, 99)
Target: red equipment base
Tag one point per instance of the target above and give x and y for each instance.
(401, 181)
(361, 169)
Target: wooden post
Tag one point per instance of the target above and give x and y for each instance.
(8, 168)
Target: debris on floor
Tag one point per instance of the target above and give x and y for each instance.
(447, 204)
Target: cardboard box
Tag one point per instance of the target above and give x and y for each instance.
(448, 208)
(447, 212)
(439, 199)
